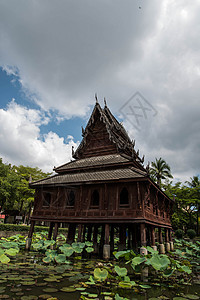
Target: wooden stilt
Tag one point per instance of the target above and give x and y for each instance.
(106, 247)
(71, 233)
(112, 241)
(80, 231)
(89, 233)
(166, 235)
(143, 234)
(50, 230)
(55, 231)
(84, 232)
(160, 235)
(134, 237)
(122, 237)
(153, 236)
(95, 235)
(30, 234)
(129, 237)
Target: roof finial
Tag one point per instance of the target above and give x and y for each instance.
(105, 102)
(83, 131)
(143, 159)
(148, 168)
(96, 98)
(72, 150)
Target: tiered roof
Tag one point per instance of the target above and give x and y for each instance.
(122, 162)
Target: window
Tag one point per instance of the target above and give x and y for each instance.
(46, 199)
(70, 199)
(95, 198)
(124, 197)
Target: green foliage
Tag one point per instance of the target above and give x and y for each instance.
(25, 228)
(100, 274)
(191, 233)
(160, 170)
(179, 233)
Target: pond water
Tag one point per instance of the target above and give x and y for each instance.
(27, 277)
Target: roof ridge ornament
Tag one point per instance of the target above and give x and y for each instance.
(105, 102)
(96, 98)
(73, 151)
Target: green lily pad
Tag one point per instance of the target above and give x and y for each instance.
(100, 274)
(191, 296)
(145, 286)
(120, 271)
(68, 289)
(50, 290)
(45, 296)
(30, 297)
(28, 282)
(4, 259)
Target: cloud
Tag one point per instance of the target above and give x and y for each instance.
(22, 143)
(63, 52)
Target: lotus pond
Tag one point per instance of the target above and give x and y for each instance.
(73, 272)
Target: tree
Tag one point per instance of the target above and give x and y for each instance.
(15, 193)
(160, 170)
(194, 183)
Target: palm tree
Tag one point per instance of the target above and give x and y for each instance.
(160, 170)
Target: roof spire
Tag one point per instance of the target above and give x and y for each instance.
(105, 102)
(96, 98)
(73, 151)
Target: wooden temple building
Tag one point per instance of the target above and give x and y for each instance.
(105, 190)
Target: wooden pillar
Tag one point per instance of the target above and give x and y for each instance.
(134, 237)
(107, 234)
(160, 235)
(30, 234)
(80, 231)
(102, 238)
(112, 238)
(170, 235)
(166, 235)
(106, 247)
(122, 237)
(84, 232)
(143, 234)
(71, 233)
(129, 237)
(31, 230)
(55, 231)
(95, 235)
(89, 233)
(153, 236)
(50, 230)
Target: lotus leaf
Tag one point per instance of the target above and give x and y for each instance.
(125, 285)
(120, 271)
(45, 296)
(159, 262)
(67, 251)
(191, 296)
(28, 282)
(89, 249)
(185, 269)
(88, 244)
(4, 259)
(151, 250)
(68, 289)
(145, 286)
(50, 290)
(60, 258)
(137, 261)
(30, 297)
(47, 259)
(12, 251)
(100, 274)
(117, 297)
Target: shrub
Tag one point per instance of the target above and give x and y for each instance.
(25, 228)
(191, 233)
(179, 233)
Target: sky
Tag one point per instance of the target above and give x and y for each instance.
(142, 56)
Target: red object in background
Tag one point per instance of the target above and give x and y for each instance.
(2, 216)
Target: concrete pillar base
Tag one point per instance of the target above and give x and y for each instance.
(154, 248)
(144, 274)
(167, 247)
(106, 251)
(143, 251)
(28, 243)
(161, 248)
(171, 246)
